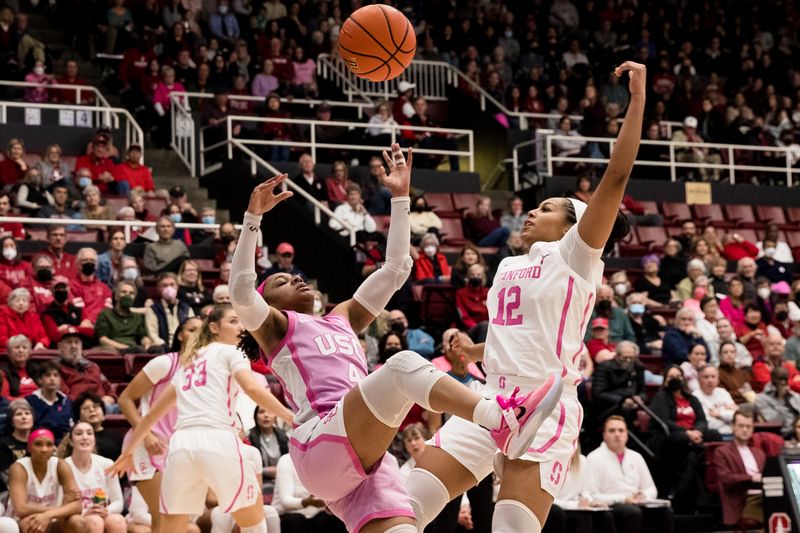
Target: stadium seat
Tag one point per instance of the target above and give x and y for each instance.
(134, 362)
(741, 215)
(710, 215)
(82, 236)
(155, 205)
(675, 213)
(653, 363)
(651, 235)
(115, 203)
(111, 364)
(453, 232)
(438, 309)
(748, 234)
(440, 201)
(793, 214)
(770, 213)
(465, 201)
(650, 207)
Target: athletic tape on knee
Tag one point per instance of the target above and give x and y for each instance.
(511, 516)
(258, 528)
(428, 496)
(402, 528)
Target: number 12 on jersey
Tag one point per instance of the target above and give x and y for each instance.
(508, 302)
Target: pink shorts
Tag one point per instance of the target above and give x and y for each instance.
(329, 468)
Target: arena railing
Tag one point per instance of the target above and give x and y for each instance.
(433, 79)
(184, 126)
(98, 100)
(313, 145)
(547, 159)
(114, 117)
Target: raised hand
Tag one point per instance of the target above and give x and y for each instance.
(637, 74)
(263, 199)
(399, 179)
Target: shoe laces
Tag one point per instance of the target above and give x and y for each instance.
(510, 402)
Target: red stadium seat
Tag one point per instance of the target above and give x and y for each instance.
(793, 214)
(37, 234)
(748, 234)
(741, 215)
(111, 364)
(793, 238)
(440, 201)
(453, 232)
(770, 213)
(115, 203)
(438, 306)
(134, 362)
(651, 235)
(82, 236)
(465, 201)
(154, 205)
(650, 207)
(709, 215)
(675, 213)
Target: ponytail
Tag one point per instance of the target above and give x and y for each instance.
(203, 336)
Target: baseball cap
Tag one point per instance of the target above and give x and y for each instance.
(60, 280)
(600, 323)
(177, 191)
(403, 86)
(70, 332)
(690, 122)
(285, 248)
(101, 138)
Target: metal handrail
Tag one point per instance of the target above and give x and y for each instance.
(319, 207)
(325, 63)
(133, 132)
(100, 100)
(395, 129)
(310, 102)
(548, 136)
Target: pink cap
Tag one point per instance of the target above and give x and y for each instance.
(600, 323)
(285, 248)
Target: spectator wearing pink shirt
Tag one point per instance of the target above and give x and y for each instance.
(304, 81)
(38, 95)
(161, 104)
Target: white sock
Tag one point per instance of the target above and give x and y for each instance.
(258, 528)
(487, 413)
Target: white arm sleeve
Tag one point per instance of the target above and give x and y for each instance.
(580, 257)
(248, 304)
(377, 289)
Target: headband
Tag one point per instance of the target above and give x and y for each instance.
(42, 432)
(579, 207)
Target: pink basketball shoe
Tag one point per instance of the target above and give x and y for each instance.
(523, 416)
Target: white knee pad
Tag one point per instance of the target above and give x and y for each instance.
(9, 525)
(273, 519)
(221, 522)
(511, 516)
(258, 528)
(428, 496)
(402, 528)
(406, 378)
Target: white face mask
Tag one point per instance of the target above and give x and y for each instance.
(430, 251)
(223, 9)
(769, 252)
(10, 253)
(620, 289)
(763, 293)
(38, 70)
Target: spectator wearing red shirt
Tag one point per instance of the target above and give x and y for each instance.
(19, 371)
(135, 63)
(70, 96)
(13, 270)
(14, 229)
(337, 184)
(736, 247)
(13, 167)
(471, 300)
(600, 348)
(753, 333)
(64, 264)
(240, 107)
(283, 68)
(431, 265)
(772, 359)
(276, 131)
(102, 167)
(86, 288)
(40, 283)
(18, 318)
(138, 176)
(62, 314)
(79, 375)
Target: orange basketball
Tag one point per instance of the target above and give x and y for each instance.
(377, 42)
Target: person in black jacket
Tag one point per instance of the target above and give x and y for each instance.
(271, 441)
(14, 439)
(614, 382)
(20, 371)
(680, 453)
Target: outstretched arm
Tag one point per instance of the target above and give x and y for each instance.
(375, 292)
(262, 396)
(267, 325)
(595, 226)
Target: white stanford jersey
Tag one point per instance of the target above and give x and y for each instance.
(538, 309)
(207, 390)
(47, 492)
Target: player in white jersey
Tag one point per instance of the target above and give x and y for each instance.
(538, 307)
(146, 387)
(42, 491)
(205, 450)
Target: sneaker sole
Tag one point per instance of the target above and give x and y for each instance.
(522, 441)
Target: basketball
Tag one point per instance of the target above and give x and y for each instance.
(377, 42)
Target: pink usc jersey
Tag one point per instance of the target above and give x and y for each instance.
(319, 360)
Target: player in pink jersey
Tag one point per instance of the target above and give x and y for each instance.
(345, 419)
(205, 452)
(146, 388)
(538, 307)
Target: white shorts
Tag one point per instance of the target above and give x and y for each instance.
(553, 446)
(204, 458)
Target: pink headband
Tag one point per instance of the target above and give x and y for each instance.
(36, 433)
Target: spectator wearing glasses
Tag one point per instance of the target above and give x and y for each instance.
(285, 262)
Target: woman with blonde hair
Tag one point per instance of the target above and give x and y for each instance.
(13, 167)
(52, 167)
(190, 286)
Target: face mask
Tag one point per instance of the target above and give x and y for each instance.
(317, 307)
(208, 219)
(87, 269)
(175, 217)
(674, 384)
(10, 253)
(398, 327)
(126, 302)
(763, 293)
(419, 208)
(475, 282)
(604, 307)
(769, 252)
(210, 55)
(782, 315)
(44, 275)
(60, 295)
(38, 71)
(388, 352)
(223, 9)
(509, 34)
(620, 289)
(636, 309)
(699, 293)
(430, 251)
(130, 273)
(84, 182)
(169, 293)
